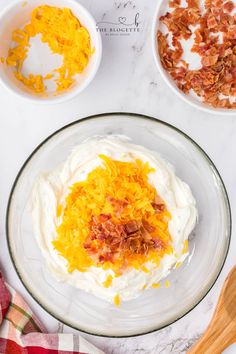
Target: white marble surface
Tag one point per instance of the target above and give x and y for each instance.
(127, 81)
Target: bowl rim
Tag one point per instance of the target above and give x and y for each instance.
(70, 95)
(170, 82)
(132, 116)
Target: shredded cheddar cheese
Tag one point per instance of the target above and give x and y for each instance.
(33, 82)
(144, 269)
(117, 300)
(64, 34)
(167, 284)
(156, 285)
(93, 198)
(107, 283)
(185, 247)
(178, 264)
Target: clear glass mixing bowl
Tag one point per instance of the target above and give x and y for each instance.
(156, 308)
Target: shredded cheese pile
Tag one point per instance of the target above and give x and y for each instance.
(126, 182)
(64, 34)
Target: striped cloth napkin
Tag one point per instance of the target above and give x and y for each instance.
(22, 333)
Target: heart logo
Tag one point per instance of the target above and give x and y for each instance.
(122, 20)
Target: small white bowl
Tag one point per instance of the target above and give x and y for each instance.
(16, 16)
(161, 10)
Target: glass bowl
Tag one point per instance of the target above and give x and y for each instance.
(155, 308)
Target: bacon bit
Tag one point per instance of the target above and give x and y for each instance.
(174, 3)
(131, 227)
(228, 6)
(109, 241)
(156, 285)
(118, 205)
(217, 3)
(209, 61)
(101, 218)
(193, 4)
(198, 36)
(158, 204)
(211, 21)
(148, 227)
(185, 64)
(208, 4)
(217, 75)
(117, 300)
(158, 207)
(179, 20)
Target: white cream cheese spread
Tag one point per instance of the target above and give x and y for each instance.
(51, 189)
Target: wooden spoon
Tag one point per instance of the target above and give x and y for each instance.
(221, 331)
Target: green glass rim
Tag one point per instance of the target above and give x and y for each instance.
(122, 115)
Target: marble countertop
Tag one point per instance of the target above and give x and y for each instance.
(127, 81)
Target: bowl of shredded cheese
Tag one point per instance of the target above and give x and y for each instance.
(50, 50)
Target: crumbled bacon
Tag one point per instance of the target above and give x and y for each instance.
(216, 78)
(228, 6)
(131, 227)
(193, 4)
(158, 205)
(211, 21)
(174, 3)
(210, 60)
(118, 205)
(107, 240)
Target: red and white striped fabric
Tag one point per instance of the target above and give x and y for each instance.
(22, 333)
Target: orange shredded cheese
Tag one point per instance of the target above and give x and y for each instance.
(64, 34)
(125, 181)
(167, 284)
(48, 76)
(33, 82)
(117, 300)
(59, 210)
(144, 269)
(2, 60)
(156, 285)
(107, 283)
(185, 247)
(178, 264)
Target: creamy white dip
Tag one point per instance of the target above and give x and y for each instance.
(51, 189)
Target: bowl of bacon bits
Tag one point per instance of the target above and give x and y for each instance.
(50, 50)
(194, 45)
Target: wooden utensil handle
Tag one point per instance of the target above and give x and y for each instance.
(215, 340)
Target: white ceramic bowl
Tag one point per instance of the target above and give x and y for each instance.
(16, 15)
(162, 6)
